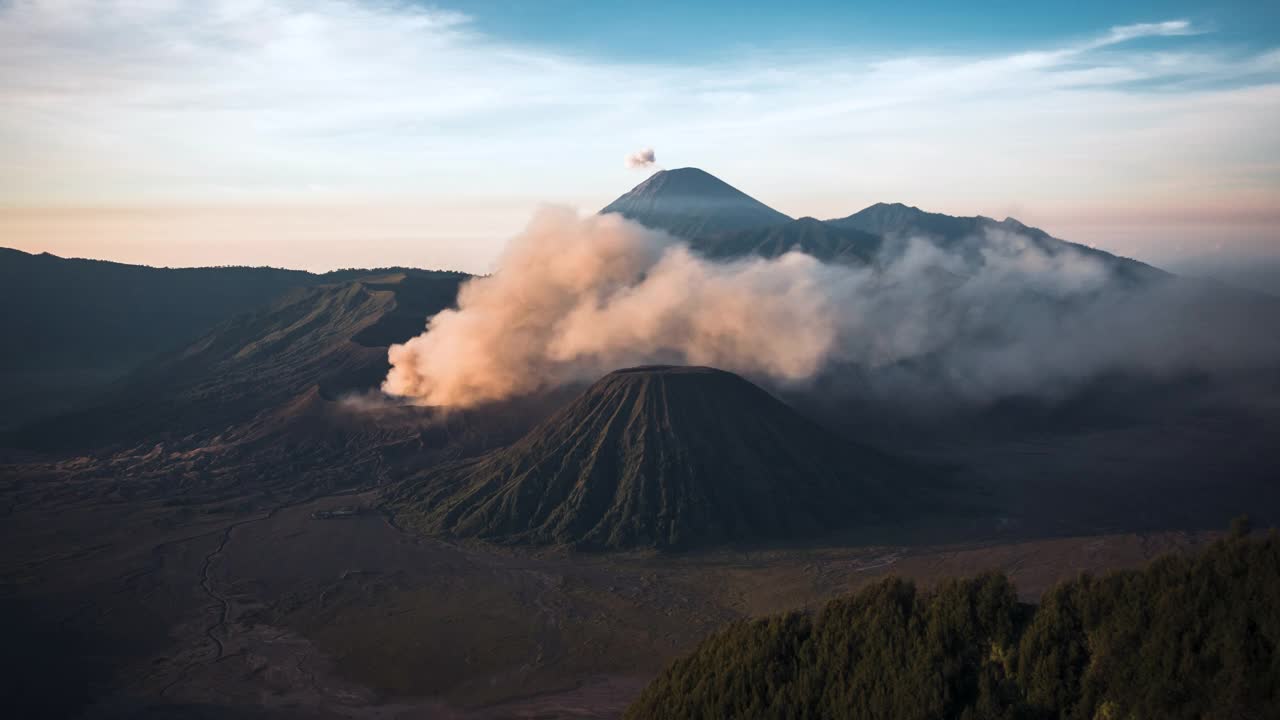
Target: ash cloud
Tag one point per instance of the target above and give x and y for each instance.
(574, 297)
(640, 159)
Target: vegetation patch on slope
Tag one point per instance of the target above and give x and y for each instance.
(1187, 637)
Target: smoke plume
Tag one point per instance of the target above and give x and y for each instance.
(575, 297)
(640, 158)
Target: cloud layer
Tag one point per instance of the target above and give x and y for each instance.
(575, 297)
(122, 101)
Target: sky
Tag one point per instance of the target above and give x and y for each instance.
(337, 133)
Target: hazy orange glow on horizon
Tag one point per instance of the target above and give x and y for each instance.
(316, 238)
(469, 236)
(351, 133)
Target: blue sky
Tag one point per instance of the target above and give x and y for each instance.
(324, 133)
(675, 31)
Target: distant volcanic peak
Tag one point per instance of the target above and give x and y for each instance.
(693, 182)
(884, 217)
(889, 218)
(903, 222)
(889, 206)
(656, 456)
(689, 202)
(899, 221)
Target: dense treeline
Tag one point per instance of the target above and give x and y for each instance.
(1188, 637)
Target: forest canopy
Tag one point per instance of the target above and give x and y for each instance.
(1186, 637)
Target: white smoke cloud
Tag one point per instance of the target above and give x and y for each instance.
(640, 158)
(575, 297)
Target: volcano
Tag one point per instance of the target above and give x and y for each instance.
(692, 203)
(661, 457)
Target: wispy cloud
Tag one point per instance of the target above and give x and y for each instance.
(1125, 33)
(116, 100)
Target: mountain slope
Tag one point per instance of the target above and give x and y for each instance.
(690, 203)
(71, 327)
(966, 235)
(333, 337)
(119, 309)
(666, 457)
(895, 219)
(823, 241)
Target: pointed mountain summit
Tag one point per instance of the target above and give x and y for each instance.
(690, 203)
(663, 457)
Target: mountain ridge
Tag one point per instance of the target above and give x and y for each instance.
(332, 335)
(75, 326)
(659, 204)
(807, 235)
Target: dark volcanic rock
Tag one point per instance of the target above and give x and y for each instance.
(665, 457)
